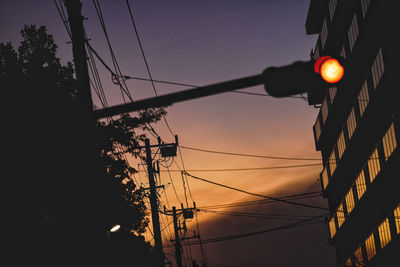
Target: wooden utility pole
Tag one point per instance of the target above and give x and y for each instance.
(154, 204)
(75, 19)
(178, 248)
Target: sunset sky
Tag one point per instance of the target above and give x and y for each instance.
(200, 43)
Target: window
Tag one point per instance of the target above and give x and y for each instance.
(358, 258)
(332, 93)
(324, 110)
(340, 215)
(332, 162)
(389, 142)
(341, 145)
(373, 165)
(332, 7)
(363, 98)
(370, 246)
(384, 233)
(351, 123)
(324, 33)
(397, 219)
(353, 32)
(350, 201)
(343, 52)
(332, 227)
(360, 185)
(317, 129)
(364, 6)
(316, 52)
(325, 180)
(378, 68)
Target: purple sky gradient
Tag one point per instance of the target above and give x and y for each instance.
(203, 42)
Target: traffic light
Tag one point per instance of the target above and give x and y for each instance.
(303, 76)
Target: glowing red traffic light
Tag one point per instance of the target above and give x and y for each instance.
(329, 68)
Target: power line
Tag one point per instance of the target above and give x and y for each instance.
(247, 169)
(245, 155)
(257, 195)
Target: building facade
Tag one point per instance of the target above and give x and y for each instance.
(357, 128)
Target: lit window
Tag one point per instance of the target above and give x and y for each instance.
(389, 142)
(397, 219)
(350, 201)
(364, 6)
(370, 246)
(341, 145)
(332, 7)
(358, 258)
(353, 32)
(332, 93)
(373, 165)
(384, 233)
(360, 185)
(317, 129)
(351, 123)
(340, 215)
(324, 33)
(377, 68)
(363, 98)
(332, 227)
(332, 162)
(348, 262)
(325, 179)
(324, 110)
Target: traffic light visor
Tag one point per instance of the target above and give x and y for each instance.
(329, 68)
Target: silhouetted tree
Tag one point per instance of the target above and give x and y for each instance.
(58, 200)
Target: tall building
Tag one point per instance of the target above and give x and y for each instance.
(357, 129)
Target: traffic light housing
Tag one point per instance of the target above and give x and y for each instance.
(310, 77)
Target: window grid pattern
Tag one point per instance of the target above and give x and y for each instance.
(370, 246)
(324, 110)
(363, 98)
(332, 227)
(324, 33)
(373, 165)
(332, 93)
(389, 142)
(361, 186)
(378, 68)
(364, 7)
(384, 233)
(332, 163)
(353, 32)
(325, 179)
(397, 219)
(351, 123)
(341, 145)
(340, 215)
(332, 7)
(350, 201)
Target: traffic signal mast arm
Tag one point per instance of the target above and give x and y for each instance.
(293, 79)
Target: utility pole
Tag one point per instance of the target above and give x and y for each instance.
(187, 214)
(154, 204)
(75, 19)
(178, 252)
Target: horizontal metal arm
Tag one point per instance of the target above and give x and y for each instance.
(169, 99)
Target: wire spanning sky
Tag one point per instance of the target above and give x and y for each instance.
(203, 42)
